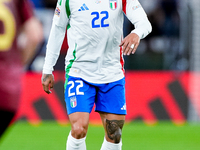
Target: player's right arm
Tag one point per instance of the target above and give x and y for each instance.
(138, 17)
(56, 37)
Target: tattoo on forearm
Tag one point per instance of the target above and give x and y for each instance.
(114, 129)
(46, 77)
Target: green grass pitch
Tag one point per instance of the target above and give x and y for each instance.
(135, 136)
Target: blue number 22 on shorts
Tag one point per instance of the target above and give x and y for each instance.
(80, 96)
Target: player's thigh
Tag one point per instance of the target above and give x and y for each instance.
(79, 118)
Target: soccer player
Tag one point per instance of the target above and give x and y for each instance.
(16, 50)
(94, 63)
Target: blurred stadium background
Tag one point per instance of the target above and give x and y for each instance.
(162, 87)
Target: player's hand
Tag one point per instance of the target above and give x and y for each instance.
(47, 82)
(130, 43)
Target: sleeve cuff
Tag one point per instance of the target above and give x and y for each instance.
(138, 32)
(47, 71)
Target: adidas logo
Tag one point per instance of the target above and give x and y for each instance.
(124, 107)
(83, 8)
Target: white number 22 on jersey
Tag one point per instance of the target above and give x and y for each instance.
(72, 84)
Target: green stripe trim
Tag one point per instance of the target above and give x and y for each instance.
(110, 5)
(67, 8)
(68, 26)
(69, 66)
(60, 2)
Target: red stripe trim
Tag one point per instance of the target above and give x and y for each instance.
(115, 5)
(122, 60)
(124, 6)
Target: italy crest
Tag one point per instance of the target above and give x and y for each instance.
(73, 102)
(113, 4)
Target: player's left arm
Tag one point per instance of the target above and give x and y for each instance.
(56, 37)
(136, 14)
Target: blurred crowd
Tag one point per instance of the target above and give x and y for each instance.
(20, 34)
(45, 3)
(159, 51)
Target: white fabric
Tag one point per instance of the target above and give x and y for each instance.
(75, 144)
(111, 146)
(57, 34)
(94, 34)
